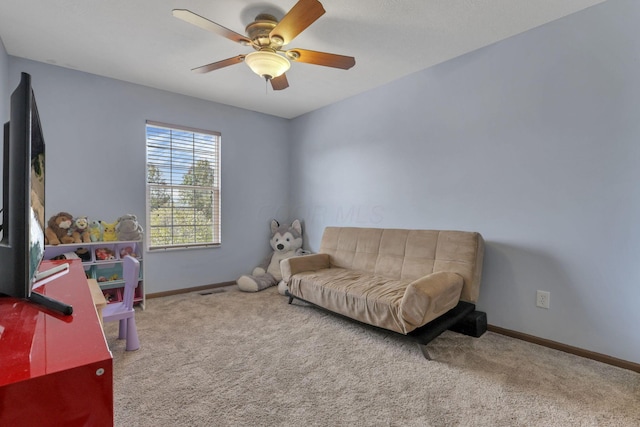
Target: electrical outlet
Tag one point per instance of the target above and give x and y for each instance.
(542, 299)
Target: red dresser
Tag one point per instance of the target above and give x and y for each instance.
(55, 370)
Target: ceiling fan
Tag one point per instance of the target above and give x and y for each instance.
(268, 37)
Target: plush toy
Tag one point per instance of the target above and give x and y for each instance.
(59, 229)
(84, 254)
(128, 228)
(80, 230)
(127, 250)
(95, 231)
(286, 242)
(104, 254)
(109, 231)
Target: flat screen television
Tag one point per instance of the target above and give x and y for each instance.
(23, 201)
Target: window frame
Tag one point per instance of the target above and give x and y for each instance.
(216, 204)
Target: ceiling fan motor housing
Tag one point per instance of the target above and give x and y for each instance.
(259, 30)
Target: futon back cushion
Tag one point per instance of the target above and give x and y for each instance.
(403, 254)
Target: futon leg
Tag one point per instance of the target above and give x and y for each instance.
(424, 350)
(290, 296)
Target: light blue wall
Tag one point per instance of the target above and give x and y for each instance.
(534, 142)
(94, 128)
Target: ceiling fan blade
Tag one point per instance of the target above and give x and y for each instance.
(204, 23)
(280, 82)
(321, 58)
(303, 14)
(219, 64)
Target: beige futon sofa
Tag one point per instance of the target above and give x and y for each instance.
(414, 282)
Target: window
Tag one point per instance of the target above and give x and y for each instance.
(183, 187)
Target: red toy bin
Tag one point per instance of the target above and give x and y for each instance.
(112, 295)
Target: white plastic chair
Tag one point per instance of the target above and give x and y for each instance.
(123, 311)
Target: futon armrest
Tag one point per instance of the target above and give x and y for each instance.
(298, 264)
(429, 297)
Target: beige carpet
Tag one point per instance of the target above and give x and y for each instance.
(250, 359)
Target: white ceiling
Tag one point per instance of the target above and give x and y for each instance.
(139, 41)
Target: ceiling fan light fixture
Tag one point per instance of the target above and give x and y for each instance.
(267, 64)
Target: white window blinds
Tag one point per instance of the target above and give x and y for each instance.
(183, 186)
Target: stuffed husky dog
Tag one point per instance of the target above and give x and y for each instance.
(286, 241)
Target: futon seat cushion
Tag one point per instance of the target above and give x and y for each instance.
(399, 305)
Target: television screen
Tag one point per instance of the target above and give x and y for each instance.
(37, 224)
(23, 215)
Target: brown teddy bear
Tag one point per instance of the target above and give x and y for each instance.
(59, 228)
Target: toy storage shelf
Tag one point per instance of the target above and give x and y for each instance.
(103, 262)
